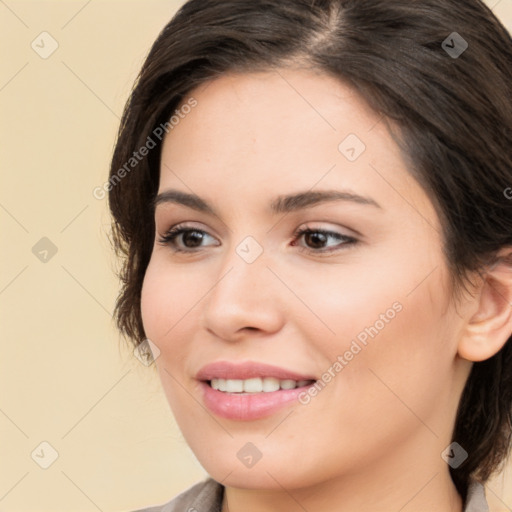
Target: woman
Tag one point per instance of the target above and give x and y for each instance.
(313, 204)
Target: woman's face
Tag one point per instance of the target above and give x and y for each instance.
(360, 304)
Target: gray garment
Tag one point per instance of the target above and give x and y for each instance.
(206, 496)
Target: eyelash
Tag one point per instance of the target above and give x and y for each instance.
(170, 236)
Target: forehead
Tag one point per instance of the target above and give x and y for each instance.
(283, 130)
(251, 109)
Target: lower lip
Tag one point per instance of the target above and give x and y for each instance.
(248, 406)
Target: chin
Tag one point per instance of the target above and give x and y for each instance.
(268, 473)
(257, 479)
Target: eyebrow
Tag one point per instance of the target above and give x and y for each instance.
(281, 204)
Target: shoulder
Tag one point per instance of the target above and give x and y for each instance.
(475, 499)
(205, 496)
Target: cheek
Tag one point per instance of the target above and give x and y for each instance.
(167, 298)
(387, 330)
(154, 302)
(165, 310)
(365, 302)
(401, 373)
(393, 387)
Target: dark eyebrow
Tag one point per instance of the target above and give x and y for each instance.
(281, 204)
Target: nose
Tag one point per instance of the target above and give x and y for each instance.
(245, 298)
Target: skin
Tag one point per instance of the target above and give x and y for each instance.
(372, 438)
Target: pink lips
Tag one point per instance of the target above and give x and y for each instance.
(247, 406)
(248, 370)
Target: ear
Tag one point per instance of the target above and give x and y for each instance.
(489, 324)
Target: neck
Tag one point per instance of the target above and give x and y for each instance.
(399, 486)
(436, 493)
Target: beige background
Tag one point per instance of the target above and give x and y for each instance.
(66, 378)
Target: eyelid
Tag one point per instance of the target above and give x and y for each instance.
(325, 226)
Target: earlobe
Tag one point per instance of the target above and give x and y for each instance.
(489, 327)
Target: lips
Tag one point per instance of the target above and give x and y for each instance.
(249, 370)
(249, 391)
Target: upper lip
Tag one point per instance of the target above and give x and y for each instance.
(247, 370)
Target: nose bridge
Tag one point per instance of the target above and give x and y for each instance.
(242, 295)
(242, 272)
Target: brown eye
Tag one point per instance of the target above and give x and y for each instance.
(317, 240)
(182, 239)
(192, 238)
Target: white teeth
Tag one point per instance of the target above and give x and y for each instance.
(234, 386)
(218, 383)
(255, 385)
(270, 384)
(288, 384)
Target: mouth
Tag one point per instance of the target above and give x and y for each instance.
(250, 391)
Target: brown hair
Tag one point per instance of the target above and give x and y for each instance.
(453, 109)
